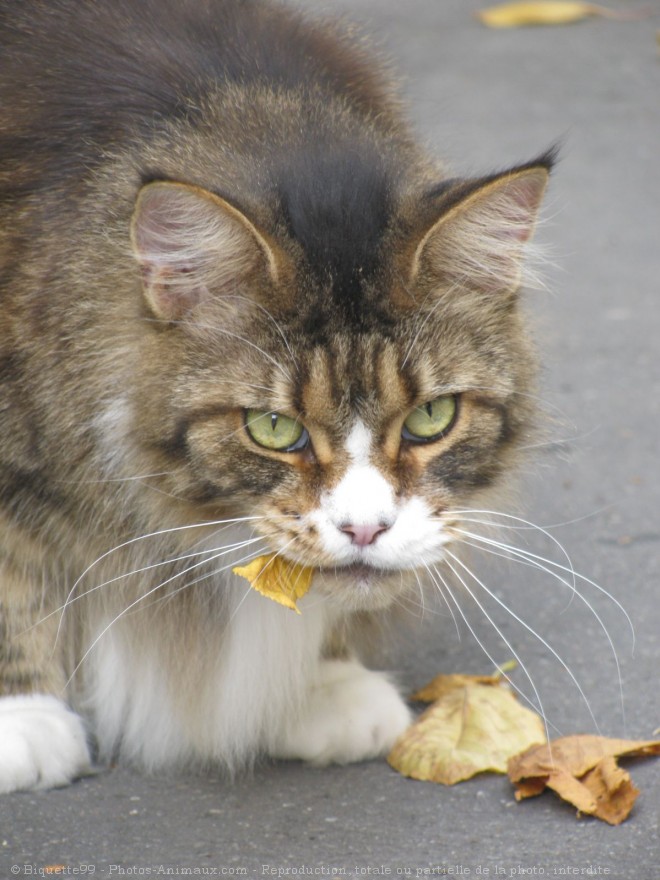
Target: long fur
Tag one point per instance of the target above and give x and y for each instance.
(210, 208)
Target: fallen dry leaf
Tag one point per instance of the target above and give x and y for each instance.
(475, 722)
(545, 12)
(441, 685)
(612, 789)
(577, 754)
(583, 771)
(476, 725)
(278, 579)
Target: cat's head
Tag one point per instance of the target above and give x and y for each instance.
(352, 394)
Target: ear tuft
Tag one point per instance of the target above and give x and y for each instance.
(479, 241)
(192, 245)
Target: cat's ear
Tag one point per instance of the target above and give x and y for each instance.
(191, 246)
(479, 239)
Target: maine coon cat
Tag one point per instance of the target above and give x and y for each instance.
(242, 312)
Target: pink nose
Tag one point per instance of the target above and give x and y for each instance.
(363, 535)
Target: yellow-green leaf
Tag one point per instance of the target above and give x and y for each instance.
(543, 12)
(474, 727)
(277, 579)
(441, 685)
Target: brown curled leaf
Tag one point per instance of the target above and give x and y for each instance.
(277, 579)
(583, 771)
(577, 754)
(612, 790)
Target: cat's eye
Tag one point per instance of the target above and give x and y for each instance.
(431, 421)
(274, 431)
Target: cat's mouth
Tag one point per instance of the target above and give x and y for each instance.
(359, 571)
(361, 587)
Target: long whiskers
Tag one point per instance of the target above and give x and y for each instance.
(539, 704)
(468, 516)
(564, 574)
(211, 555)
(522, 557)
(132, 542)
(206, 575)
(157, 534)
(531, 630)
(445, 600)
(161, 586)
(526, 556)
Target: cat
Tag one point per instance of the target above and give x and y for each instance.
(243, 312)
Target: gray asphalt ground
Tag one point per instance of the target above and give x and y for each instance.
(483, 99)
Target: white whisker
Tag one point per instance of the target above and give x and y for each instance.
(524, 558)
(146, 537)
(153, 590)
(136, 478)
(171, 561)
(523, 522)
(444, 599)
(536, 635)
(209, 574)
(157, 534)
(523, 526)
(422, 602)
(497, 665)
(518, 554)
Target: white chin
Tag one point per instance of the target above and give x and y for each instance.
(362, 587)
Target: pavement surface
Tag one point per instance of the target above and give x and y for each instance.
(483, 99)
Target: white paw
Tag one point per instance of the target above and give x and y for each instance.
(42, 743)
(353, 714)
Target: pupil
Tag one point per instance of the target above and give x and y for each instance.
(273, 421)
(429, 410)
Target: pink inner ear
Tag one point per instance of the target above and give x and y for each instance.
(170, 299)
(523, 197)
(169, 227)
(479, 244)
(190, 246)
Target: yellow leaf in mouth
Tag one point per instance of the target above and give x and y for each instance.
(541, 12)
(277, 578)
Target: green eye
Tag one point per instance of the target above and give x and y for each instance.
(274, 431)
(431, 420)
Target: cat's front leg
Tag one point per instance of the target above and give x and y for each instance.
(42, 742)
(351, 714)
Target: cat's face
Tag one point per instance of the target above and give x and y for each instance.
(354, 433)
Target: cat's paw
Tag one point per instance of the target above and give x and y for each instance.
(42, 743)
(353, 714)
